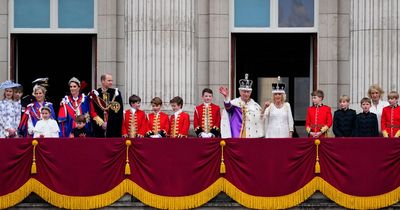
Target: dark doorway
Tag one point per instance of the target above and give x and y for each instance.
(266, 56)
(58, 57)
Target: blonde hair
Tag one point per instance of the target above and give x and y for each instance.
(39, 87)
(344, 98)
(283, 98)
(377, 88)
(393, 94)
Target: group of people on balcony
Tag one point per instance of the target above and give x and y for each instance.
(101, 114)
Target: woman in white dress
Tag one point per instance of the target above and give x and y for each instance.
(278, 114)
(375, 93)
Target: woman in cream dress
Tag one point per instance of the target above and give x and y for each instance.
(278, 114)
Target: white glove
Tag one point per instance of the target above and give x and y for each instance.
(210, 135)
(155, 136)
(204, 135)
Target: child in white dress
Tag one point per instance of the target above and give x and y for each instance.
(46, 127)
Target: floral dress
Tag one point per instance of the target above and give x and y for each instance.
(10, 115)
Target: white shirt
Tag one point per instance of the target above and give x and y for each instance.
(377, 109)
(177, 113)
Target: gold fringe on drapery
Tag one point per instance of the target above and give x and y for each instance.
(358, 202)
(198, 199)
(179, 202)
(278, 202)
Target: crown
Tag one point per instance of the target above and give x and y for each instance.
(278, 87)
(245, 84)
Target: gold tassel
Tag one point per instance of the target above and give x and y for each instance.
(127, 166)
(317, 166)
(222, 169)
(33, 168)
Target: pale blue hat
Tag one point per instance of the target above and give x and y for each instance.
(8, 84)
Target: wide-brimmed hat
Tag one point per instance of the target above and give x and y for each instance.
(9, 84)
(41, 81)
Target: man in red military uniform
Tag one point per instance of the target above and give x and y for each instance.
(158, 120)
(207, 117)
(391, 117)
(179, 121)
(135, 120)
(319, 116)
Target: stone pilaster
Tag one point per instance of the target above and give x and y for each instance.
(4, 42)
(375, 46)
(160, 50)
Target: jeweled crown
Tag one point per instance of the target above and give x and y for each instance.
(245, 84)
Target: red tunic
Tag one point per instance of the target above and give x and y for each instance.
(319, 118)
(158, 124)
(134, 126)
(179, 126)
(207, 119)
(390, 121)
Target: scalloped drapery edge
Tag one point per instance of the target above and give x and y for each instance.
(198, 199)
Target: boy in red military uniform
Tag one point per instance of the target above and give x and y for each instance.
(135, 120)
(207, 117)
(391, 117)
(179, 121)
(158, 121)
(319, 116)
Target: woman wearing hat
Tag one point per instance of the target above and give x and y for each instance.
(33, 111)
(10, 114)
(278, 114)
(71, 106)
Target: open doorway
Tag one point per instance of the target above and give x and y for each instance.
(265, 56)
(58, 57)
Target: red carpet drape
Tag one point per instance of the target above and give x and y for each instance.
(186, 173)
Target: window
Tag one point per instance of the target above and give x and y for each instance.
(274, 16)
(75, 13)
(296, 13)
(252, 13)
(53, 16)
(32, 13)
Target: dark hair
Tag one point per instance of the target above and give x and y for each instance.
(365, 99)
(156, 101)
(19, 89)
(206, 90)
(178, 100)
(134, 98)
(318, 93)
(80, 118)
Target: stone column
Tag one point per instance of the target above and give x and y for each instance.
(4, 41)
(160, 50)
(375, 46)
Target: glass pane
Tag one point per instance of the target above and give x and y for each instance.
(75, 13)
(252, 13)
(31, 13)
(301, 97)
(296, 13)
